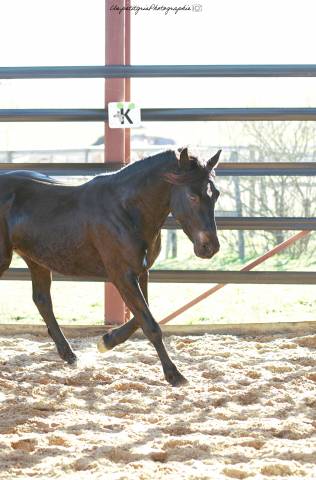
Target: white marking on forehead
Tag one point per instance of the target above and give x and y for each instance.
(209, 190)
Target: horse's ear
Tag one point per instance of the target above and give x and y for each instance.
(184, 159)
(212, 162)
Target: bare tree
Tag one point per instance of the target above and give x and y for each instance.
(281, 196)
(270, 195)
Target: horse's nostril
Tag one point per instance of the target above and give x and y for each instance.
(207, 247)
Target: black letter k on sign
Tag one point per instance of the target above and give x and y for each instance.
(124, 115)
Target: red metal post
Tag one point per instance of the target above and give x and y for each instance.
(127, 85)
(127, 80)
(114, 141)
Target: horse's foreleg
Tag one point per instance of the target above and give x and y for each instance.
(41, 283)
(120, 334)
(129, 288)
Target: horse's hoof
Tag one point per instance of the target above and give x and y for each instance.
(101, 346)
(176, 379)
(71, 359)
(67, 355)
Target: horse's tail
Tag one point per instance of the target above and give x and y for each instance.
(6, 202)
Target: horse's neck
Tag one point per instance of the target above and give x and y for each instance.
(148, 191)
(155, 203)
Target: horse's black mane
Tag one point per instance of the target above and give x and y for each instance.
(174, 174)
(196, 173)
(147, 164)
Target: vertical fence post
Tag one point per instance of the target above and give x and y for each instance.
(241, 238)
(127, 61)
(127, 84)
(114, 139)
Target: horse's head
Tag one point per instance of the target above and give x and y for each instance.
(193, 198)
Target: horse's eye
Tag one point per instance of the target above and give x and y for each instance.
(194, 198)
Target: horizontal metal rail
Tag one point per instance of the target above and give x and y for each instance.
(192, 276)
(201, 276)
(255, 223)
(245, 169)
(151, 71)
(63, 151)
(160, 114)
(241, 169)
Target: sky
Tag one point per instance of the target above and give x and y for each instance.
(59, 32)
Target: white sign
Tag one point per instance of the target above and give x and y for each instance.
(123, 115)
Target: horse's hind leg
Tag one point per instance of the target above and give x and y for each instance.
(41, 283)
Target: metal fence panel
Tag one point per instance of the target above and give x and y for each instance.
(179, 114)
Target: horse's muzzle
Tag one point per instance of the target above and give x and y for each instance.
(206, 245)
(205, 252)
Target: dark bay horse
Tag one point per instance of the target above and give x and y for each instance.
(108, 227)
